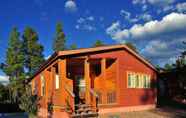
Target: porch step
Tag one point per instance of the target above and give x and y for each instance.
(85, 115)
(84, 111)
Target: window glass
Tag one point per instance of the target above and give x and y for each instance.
(56, 76)
(57, 81)
(133, 80)
(42, 85)
(141, 81)
(137, 81)
(149, 82)
(129, 80)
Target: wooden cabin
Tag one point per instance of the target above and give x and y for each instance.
(94, 81)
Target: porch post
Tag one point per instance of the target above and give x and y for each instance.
(103, 71)
(87, 80)
(66, 94)
(62, 75)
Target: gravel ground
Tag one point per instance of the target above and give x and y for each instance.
(156, 113)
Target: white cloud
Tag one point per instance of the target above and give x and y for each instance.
(89, 27)
(80, 20)
(115, 27)
(90, 18)
(86, 23)
(169, 23)
(159, 6)
(77, 27)
(154, 2)
(160, 2)
(47, 57)
(70, 6)
(144, 7)
(138, 1)
(4, 79)
(155, 48)
(168, 8)
(145, 17)
(127, 16)
(181, 7)
(159, 40)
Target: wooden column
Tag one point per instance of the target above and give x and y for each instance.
(66, 85)
(52, 76)
(87, 80)
(62, 79)
(103, 72)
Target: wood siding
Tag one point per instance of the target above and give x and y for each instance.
(113, 78)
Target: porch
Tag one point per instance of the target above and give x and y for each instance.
(87, 81)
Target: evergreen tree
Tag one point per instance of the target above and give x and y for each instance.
(33, 56)
(14, 63)
(168, 66)
(59, 41)
(98, 43)
(131, 46)
(73, 47)
(29, 102)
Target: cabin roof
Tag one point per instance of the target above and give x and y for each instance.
(90, 50)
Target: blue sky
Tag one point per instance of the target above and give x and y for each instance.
(156, 27)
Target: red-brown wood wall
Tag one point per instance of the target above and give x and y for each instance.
(125, 96)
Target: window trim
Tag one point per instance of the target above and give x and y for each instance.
(142, 83)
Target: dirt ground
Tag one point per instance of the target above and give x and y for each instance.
(156, 113)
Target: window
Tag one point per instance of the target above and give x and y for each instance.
(56, 77)
(111, 97)
(129, 80)
(57, 81)
(99, 97)
(147, 83)
(144, 81)
(141, 81)
(42, 85)
(137, 80)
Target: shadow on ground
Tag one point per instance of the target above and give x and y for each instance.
(13, 115)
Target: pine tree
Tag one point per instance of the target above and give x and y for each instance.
(33, 56)
(59, 41)
(131, 46)
(98, 43)
(14, 64)
(73, 47)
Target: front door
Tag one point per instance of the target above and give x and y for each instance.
(79, 89)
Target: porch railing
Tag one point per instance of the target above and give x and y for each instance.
(94, 99)
(69, 99)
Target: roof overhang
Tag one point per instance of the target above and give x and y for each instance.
(77, 52)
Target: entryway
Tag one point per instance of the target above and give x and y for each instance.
(79, 89)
